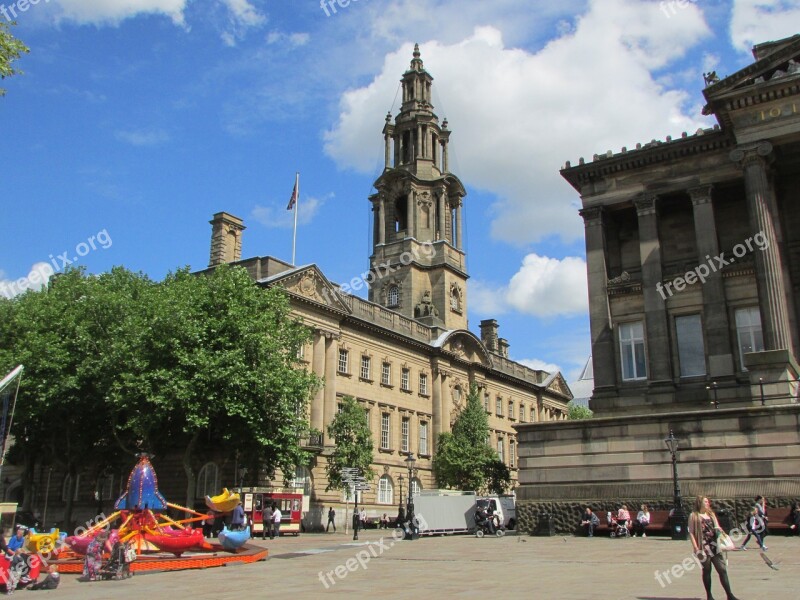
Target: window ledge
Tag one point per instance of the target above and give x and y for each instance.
(387, 385)
(424, 395)
(386, 450)
(343, 374)
(407, 391)
(366, 380)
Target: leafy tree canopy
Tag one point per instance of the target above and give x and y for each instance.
(577, 413)
(10, 50)
(353, 443)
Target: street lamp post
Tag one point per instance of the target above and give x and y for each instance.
(678, 519)
(242, 474)
(411, 530)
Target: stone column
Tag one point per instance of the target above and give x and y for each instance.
(762, 209)
(436, 410)
(715, 313)
(318, 367)
(447, 403)
(659, 371)
(397, 155)
(603, 349)
(331, 362)
(419, 141)
(445, 161)
(387, 151)
(459, 245)
(442, 222)
(382, 218)
(411, 200)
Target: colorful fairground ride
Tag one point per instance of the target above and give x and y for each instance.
(152, 539)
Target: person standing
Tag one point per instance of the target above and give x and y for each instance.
(266, 521)
(755, 528)
(237, 520)
(331, 520)
(276, 522)
(703, 531)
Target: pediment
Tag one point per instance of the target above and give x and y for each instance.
(310, 284)
(465, 346)
(559, 386)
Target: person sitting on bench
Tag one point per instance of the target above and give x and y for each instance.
(590, 520)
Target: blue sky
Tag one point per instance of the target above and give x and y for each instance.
(142, 118)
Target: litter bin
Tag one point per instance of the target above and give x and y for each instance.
(678, 525)
(725, 519)
(545, 525)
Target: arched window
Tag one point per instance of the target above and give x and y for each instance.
(400, 208)
(416, 486)
(385, 490)
(302, 479)
(393, 298)
(457, 395)
(207, 481)
(65, 488)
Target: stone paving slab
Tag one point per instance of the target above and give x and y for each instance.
(560, 568)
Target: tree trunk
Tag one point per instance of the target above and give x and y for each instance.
(188, 454)
(73, 473)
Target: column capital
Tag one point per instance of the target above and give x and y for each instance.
(752, 154)
(700, 194)
(592, 216)
(330, 335)
(645, 204)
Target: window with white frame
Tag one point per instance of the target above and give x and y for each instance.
(510, 409)
(365, 367)
(498, 406)
(367, 415)
(511, 453)
(631, 348)
(405, 376)
(423, 384)
(386, 374)
(500, 447)
(65, 488)
(423, 438)
(385, 430)
(748, 332)
(486, 401)
(404, 431)
(521, 413)
(301, 351)
(302, 479)
(344, 355)
(416, 486)
(393, 298)
(385, 490)
(207, 481)
(691, 350)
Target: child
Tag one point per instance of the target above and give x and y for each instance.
(50, 582)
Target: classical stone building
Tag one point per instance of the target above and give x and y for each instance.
(406, 353)
(693, 259)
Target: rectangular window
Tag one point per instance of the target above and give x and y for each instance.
(510, 409)
(367, 415)
(511, 453)
(631, 348)
(404, 380)
(385, 430)
(343, 356)
(500, 449)
(486, 402)
(748, 332)
(423, 384)
(691, 350)
(423, 438)
(521, 413)
(365, 365)
(498, 406)
(404, 431)
(386, 374)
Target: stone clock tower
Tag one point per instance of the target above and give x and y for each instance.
(417, 261)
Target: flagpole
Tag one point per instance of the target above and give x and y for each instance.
(296, 202)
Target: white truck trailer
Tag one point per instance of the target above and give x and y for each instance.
(441, 512)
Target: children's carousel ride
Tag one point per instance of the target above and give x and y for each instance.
(160, 541)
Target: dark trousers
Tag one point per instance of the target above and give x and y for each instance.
(755, 534)
(639, 527)
(328, 526)
(589, 529)
(722, 570)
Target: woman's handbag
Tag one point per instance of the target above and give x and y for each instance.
(724, 542)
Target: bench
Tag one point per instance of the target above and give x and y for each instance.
(659, 523)
(780, 519)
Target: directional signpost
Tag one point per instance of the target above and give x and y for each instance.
(357, 483)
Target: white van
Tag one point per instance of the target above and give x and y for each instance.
(503, 506)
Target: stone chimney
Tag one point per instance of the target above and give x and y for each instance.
(503, 343)
(489, 329)
(226, 239)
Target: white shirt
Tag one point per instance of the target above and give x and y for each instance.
(276, 516)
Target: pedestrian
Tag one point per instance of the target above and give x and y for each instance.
(755, 528)
(276, 522)
(331, 520)
(703, 531)
(266, 521)
(237, 520)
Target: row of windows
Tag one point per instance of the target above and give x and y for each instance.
(393, 298)
(511, 451)
(691, 347)
(405, 434)
(386, 372)
(512, 406)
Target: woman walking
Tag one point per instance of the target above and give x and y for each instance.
(703, 531)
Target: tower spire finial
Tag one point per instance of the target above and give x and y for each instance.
(416, 62)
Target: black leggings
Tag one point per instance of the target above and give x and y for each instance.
(722, 570)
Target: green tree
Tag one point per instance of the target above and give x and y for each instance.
(353, 443)
(463, 460)
(577, 413)
(10, 50)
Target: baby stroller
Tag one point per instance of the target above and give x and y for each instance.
(616, 527)
(118, 565)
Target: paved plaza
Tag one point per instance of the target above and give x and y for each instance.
(558, 567)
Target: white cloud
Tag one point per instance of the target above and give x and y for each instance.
(142, 138)
(245, 13)
(517, 116)
(540, 365)
(757, 21)
(279, 217)
(114, 11)
(36, 279)
(543, 287)
(292, 39)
